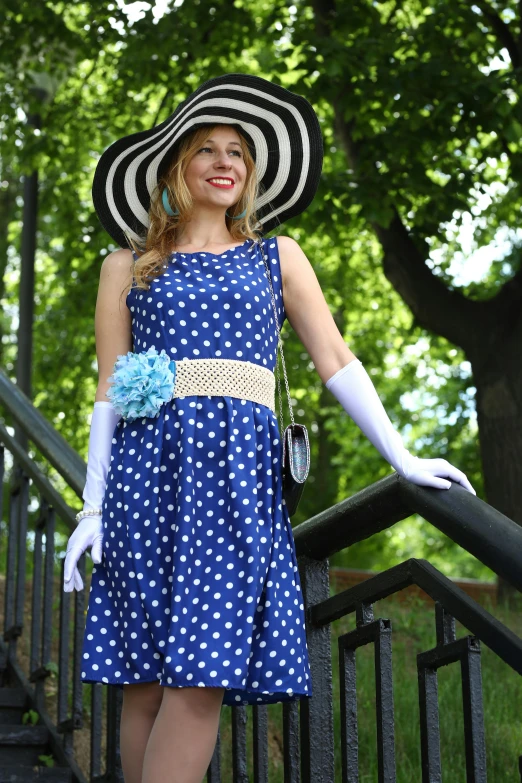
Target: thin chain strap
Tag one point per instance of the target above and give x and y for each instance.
(279, 345)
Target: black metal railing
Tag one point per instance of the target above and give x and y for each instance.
(308, 741)
(484, 532)
(68, 713)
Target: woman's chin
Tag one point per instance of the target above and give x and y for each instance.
(213, 206)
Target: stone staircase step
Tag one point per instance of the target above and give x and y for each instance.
(21, 744)
(20, 773)
(13, 704)
(13, 697)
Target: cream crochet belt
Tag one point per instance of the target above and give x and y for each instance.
(227, 378)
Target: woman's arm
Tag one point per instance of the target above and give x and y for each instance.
(308, 312)
(344, 375)
(113, 337)
(112, 319)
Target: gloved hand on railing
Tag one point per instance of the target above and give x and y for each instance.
(89, 532)
(353, 387)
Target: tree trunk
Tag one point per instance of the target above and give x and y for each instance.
(7, 208)
(326, 478)
(498, 380)
(490, 333)
(323, 490)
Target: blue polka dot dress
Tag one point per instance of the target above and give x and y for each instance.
(198, 584)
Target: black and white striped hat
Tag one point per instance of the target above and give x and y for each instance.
(282, 131)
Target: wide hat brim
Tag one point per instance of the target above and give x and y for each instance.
(281, 129)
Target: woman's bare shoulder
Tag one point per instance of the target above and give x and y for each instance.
(289, 253)
(118, 260)
(117, 270)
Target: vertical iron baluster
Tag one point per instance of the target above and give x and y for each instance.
(291, 749)
(48, 589)
(214, 768)
(10, 634)
(63, 652)
(114, 703)
(384, 705)
(474, 738)
(65, 725)
(445, 627)
(364, 614)
(378, 633)
(39, 631)
(2, 476)
(3, 661)
(429, 724)
(97, 690)
(349, 728)
(316, 714)
(78, 628)
(23, 512)
(260, 737)
(445, 632)
(110, 760)
(36, 595)
(239, 754)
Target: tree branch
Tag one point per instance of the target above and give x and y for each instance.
(168, 93)
(508, 299)
(502, 32)
(324, 11)
(433, 304)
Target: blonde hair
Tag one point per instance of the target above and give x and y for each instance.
(164, 230)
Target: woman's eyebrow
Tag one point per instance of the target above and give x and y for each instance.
(230, 142)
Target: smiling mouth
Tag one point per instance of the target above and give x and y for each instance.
(221, 182)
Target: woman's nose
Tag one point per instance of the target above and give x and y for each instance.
(223, 159)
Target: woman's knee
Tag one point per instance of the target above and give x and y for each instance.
(143, 696)
(200, 702)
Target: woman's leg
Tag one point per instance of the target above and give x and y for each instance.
(141, 703)
(184, 735)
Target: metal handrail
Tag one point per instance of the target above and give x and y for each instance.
(477, 527)
(53, 446)
(30, 469)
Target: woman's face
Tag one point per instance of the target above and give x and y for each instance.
(216, 174)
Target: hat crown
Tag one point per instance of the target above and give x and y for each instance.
(279, 126)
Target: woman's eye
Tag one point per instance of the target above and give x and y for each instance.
(237, 152)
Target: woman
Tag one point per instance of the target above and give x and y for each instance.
(195, 596)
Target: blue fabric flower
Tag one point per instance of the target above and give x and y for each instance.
(141, 383)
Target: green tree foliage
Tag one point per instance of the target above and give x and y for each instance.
(420, 116)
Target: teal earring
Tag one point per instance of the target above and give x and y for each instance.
(237, 217)
(168, 208)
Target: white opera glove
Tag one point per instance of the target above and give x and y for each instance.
(354, 389)
(89, 531)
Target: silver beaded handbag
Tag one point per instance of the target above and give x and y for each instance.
(296, 449)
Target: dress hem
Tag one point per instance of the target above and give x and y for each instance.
(293, 696)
